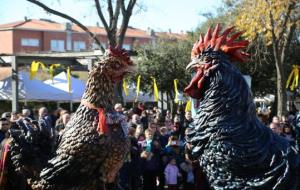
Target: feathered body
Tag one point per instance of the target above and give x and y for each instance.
(94, 143)
(234, 149)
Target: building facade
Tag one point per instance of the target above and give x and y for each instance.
(33, 35)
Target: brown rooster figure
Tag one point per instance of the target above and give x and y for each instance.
(93, 146)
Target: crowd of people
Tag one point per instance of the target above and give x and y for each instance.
(157, 158)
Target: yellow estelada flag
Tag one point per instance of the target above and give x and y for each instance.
(125, 87)
(176, 91)
(155, 89)
(35, 67)
(188, 106)
(51, 70)
(69, 79)
(138, 87)
(295, 74)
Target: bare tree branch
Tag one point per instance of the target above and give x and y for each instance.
(48, 9)
(126, 16)
(100, 14)
(110, 12)
(115, 18)
(123, 7)
(287, 41)
(290, 7)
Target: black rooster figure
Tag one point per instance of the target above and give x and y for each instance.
(234, 149)
(92, 147)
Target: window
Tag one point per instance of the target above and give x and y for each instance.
(126, 46)
(79, 45)
(30, 42)
(96, 46)
(57, 45)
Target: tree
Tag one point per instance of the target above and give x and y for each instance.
(165, 61)
(115, 35)
(275, 22)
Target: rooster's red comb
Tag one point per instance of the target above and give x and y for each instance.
(120, 54)
(223, 42)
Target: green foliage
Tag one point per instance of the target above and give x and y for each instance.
(166, 61)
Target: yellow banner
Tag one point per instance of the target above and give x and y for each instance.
(138, 87)
(188, 106)
(51, 70)
(176, 91)
(295, 76)
(155, 89)
(35, 67)
(69, 78)
(125, 87)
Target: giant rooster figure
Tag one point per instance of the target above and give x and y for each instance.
(234, 149)
(93, 145)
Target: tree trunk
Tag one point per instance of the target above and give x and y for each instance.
(281, 93)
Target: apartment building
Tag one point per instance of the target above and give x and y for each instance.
(42, 35)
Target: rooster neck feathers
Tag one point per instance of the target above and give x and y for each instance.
(235, 150)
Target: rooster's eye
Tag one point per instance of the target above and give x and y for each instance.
(207, 59)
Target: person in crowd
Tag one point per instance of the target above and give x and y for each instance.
(173, 149)
(135, 120)
(45, 120)
(139, 108)
(187, 174)
(172, 173)
(288, 133)
(276, 128)
(26, 112)
(54, 116)
(140, 136)
(130, 173)
(14, 116)
(177, 127)
(118, 108)
(187, 120)
(155, 128)
(168, 120)
(164, 136)
(61, 122)
(144, 119)
(4, 126)
(6, 115)
(275, 119)
(150, 161)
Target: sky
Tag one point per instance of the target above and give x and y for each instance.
(160, 15)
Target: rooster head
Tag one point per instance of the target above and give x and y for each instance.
(207, 53)
(115, 64)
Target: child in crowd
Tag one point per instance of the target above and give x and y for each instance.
(171, 174)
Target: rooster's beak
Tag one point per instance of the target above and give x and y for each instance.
(192, 64)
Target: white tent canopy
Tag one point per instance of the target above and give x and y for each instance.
(60, 82)
(32, 90)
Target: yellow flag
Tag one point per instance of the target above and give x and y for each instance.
(69, 78)
(188, 106)
(35, 67)
(138, 87)
(125, 87)
(295, 76)
(155, 90)
(51, 70)
(176, 91)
